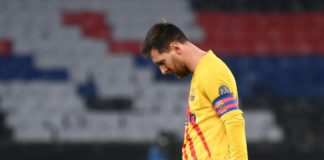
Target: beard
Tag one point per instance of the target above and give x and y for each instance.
(181, 72)
(180, 69)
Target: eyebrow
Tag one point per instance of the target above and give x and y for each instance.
(159, 62)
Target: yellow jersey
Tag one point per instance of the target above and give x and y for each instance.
(214, 127)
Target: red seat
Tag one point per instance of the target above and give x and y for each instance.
(99, 33)
(70, 18)
(263, 33)
(318, 46)
(5, 47)
(93, 25)
(125, 47)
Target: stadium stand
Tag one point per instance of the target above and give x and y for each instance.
(66, 46)
(70, 72)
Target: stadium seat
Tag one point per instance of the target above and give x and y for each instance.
(5, 47)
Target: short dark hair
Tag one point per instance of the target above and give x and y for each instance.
(160, 36)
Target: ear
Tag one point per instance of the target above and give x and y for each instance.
(176, 47)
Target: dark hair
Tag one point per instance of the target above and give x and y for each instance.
(160, 36)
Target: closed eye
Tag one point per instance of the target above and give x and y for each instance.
(159, 63)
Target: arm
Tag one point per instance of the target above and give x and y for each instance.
(227, 109)
(235, 129)
(226, 106)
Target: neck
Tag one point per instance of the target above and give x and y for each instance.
(195, 54)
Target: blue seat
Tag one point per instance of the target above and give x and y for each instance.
(17, 67)
(52, 75)
(140, 61)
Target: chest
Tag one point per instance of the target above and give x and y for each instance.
(198, 102)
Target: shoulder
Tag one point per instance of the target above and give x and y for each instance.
(214, 73)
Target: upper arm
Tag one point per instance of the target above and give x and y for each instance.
(222, 94)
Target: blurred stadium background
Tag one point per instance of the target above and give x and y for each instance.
(73, 85)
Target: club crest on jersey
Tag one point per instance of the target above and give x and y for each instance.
(223, 90)
(191, 119)
(192, 94)
(219, 104)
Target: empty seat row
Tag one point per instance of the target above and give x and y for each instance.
(257, 6)
(22, 68)
(282, 76)
(262, 33)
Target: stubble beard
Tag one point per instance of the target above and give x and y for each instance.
(184, 72)
(181, 70)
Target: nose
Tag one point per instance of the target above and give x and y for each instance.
(164, 70)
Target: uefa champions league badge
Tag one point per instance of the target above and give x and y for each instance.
(192, 94)
(223, 90)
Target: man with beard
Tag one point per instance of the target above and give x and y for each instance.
(215, 127)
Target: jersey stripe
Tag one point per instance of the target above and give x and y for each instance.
(227, 107)
(218, 108)
(202, 137)
(191, 146)
(184, 152)
(223, 106)
(228, 99)
(222, 97)
(230, 109)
